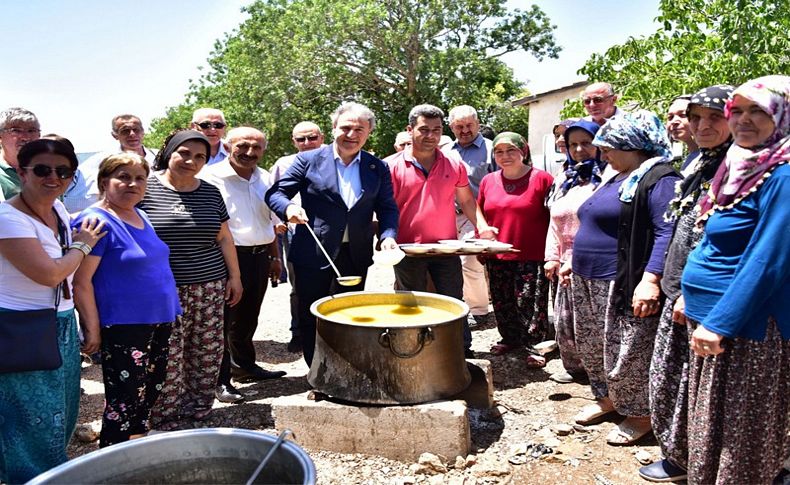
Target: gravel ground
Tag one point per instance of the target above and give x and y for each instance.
(505, 440)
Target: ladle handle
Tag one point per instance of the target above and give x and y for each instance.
(321, 246)
(269, 455)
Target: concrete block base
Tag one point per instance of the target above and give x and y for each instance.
(480, 393)
(396, 432)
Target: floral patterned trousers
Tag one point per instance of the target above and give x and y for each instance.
(520, 296)
(196, 345)
(134, 360)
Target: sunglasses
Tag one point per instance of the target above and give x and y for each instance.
(43, 171)
(217, 125)
(595, 99)
(302, 139)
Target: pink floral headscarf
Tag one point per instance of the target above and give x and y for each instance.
(745, 169)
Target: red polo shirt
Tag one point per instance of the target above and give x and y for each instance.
(426, 204)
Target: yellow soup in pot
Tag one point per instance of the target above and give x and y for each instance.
(390, 314)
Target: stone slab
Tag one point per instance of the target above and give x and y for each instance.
(396, 432)
(480, 393)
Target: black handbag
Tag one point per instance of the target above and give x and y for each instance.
(29, 338)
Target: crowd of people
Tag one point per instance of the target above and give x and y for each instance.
(668, 278)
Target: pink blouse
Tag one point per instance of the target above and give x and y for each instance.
(564, 223)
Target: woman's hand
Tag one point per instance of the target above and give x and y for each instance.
(90, 232)
(551, 268)
(92, 339)
(679, 311)
(647, 294)
(565, 274)
(704, 342)
(233, 290)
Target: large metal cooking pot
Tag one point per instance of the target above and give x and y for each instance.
(389, 362)
(209, 455)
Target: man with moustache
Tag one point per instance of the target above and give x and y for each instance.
(475, 152)
(17, 127)
(426, 183)
(599, 101)
(341, 187)
(127, 129)
(211, 122)
(243, 185)
(305, 136)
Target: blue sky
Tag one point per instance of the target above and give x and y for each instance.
(78, 63)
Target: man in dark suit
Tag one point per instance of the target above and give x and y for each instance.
(341, 187)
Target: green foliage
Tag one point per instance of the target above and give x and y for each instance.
(701, 43)
(296, 60)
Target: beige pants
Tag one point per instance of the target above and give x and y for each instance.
(475, 284)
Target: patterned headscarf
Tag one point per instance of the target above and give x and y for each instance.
(510, 138)
(744, 169)
(639, 130)
(590, 170)
(688, 190)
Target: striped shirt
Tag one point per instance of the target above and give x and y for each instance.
(188, 222)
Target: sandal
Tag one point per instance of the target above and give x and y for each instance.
(592, 414)
(502, 349)
(535, 361)
(628, 432)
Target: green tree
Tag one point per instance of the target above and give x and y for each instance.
(700, 43)
(298, 59)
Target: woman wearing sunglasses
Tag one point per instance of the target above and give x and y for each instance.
(38, 255)
(131, 260)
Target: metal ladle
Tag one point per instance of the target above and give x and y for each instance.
(341, 280)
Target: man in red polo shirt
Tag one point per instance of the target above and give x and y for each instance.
(426, 183)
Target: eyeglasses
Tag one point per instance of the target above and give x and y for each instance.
(43, 171)
(22, 131)
(217, 125)
(596, 99)
(302, 139)
(129, 131)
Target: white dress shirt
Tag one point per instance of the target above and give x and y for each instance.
(251, 222)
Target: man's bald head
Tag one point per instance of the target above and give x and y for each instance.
(246, 146)
(307, 135)
(599, 101)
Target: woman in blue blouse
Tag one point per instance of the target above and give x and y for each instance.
(736, 286)
(127, 299)
(617, 262)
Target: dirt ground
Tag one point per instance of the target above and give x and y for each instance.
(504, 439)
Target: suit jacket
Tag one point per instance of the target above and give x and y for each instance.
(313, 175)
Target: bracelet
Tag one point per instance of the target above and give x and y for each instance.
(85, 248)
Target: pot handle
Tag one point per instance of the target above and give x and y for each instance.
(425, 338)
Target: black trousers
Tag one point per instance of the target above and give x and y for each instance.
(313, 284)
(241, 320)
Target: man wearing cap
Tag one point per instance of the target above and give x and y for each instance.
(211, 122)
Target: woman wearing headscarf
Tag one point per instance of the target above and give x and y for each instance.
(736, 287)
(669, 367)
(618, 258)
(190, 216)
(513, 197)
(582, 176)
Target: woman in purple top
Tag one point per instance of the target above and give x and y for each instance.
(126, 295)
(618, 258)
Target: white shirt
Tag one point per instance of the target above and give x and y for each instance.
(251, 222)
(17, 291)
(84, 188)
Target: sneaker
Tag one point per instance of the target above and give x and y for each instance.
(561, 377)
(663, 471)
